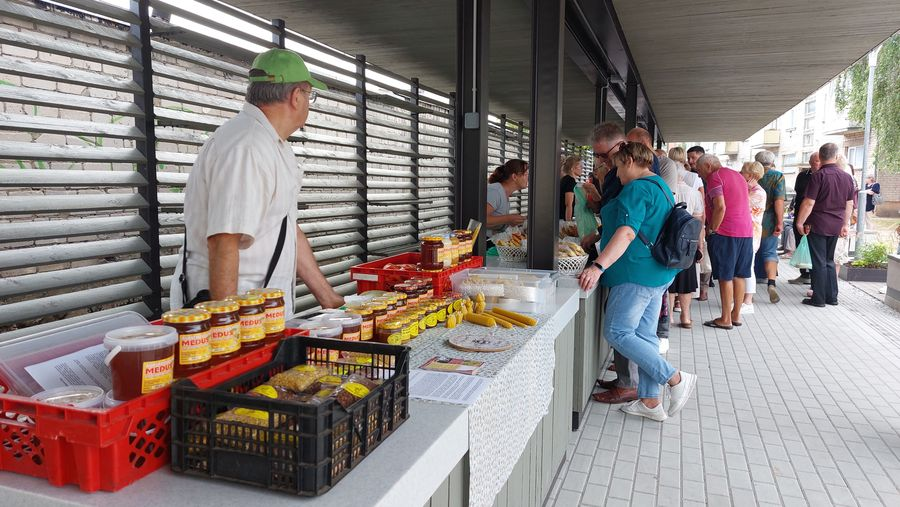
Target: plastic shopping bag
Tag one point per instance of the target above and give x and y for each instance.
(801, 258)
(585, 219)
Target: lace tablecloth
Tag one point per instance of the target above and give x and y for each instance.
(505, 416)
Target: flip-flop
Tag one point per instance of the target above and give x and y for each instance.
(685, 325)
(713, 323)
(737, 324)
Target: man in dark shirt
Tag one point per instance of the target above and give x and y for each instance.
(799, 191)
(824, 216)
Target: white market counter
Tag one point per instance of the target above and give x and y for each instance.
(429, 460)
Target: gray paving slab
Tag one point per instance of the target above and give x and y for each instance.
(799, 406)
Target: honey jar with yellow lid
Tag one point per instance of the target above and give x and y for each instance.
(274, 316)
(253, 316)
(193, 351)
(225, 329)
(367, 328)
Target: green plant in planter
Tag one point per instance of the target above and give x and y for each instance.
(874, 255)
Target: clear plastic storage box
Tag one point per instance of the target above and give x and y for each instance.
(519, 290)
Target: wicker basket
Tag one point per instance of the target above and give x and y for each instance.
(571, 266)
(511, 253)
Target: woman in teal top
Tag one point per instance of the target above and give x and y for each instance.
(637, 282)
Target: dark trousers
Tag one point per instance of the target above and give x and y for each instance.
(823, 275)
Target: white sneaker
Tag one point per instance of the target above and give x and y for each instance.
(680, 393)
(638, 408)
(663, 345)
(746, 309)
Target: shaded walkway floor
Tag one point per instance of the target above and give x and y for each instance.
(800, 406)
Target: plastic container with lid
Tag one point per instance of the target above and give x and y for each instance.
(141, 359)
(225, 329)
(274, 316)
(194, 352)
(351, 324)
(431, 251)
(73, 396)
(367, 321)
(109, 401)
(252, 313)
(324, 328)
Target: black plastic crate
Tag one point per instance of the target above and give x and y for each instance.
(306, 448)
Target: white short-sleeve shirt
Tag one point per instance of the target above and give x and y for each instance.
(245, 181)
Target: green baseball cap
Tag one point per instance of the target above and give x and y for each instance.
(282, 66)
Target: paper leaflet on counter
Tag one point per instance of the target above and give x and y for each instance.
(452, 365)
(446, 387)
(84, 367)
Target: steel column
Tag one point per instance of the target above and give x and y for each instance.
(600, 103)
(547, 32)
(502, 138)
(631, 96)
(414, 144)
(147, 147)
(279, 37)
(472, 45)
(362, 150)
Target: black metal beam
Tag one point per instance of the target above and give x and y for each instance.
(600, 104)
(279, 35)
(547, 35)
(144, 77)
(414, 145)
(362, 150)
(631, 98)
(472, 58)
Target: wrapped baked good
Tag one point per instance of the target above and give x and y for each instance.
(350, 392)
(298, 378)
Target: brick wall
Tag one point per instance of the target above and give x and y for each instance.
(890, 189)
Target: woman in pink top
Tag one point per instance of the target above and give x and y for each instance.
(730, 236)
(752, 172)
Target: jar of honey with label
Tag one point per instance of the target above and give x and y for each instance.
(274, 319)
(432, 249)
(252, 313)
(225, 329)
(193, 352)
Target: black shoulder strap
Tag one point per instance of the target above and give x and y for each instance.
(279, 246)
(640, 234)
(277, 254)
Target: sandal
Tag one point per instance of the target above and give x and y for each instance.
(713, 323)
(685, 325)
(737, 324)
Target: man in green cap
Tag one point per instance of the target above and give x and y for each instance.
(240, 207)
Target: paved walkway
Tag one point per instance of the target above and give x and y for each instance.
(800, 406)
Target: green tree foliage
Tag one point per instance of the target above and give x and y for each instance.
(851, 97)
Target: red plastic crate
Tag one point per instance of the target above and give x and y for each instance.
(100, 449)
(373, 276)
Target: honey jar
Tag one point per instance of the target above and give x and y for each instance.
(252, 314)
(193, 352)
(274, 316)
(225, 329)
(367, 326)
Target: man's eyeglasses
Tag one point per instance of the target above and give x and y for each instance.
(312, 94)
(606, 156)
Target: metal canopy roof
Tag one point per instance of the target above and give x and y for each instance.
(721, 70)
(418, 39)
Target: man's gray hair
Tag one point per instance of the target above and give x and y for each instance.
(607, 132)
(260, 94)
(712, 160)
(766, 158)
(828, 151)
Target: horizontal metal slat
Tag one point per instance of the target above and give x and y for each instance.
(392, 196)
(28, 205)
(191, 56)
(376, 133)
(179, 136)
(169, 157)
(384, 232)
(390, 243)
(43, 124)
(432, 224)
(397, 162)
(343, 170)
(175, 199)
(27, 310)
(339, 267)
(331, 225)
(391, 173)
(433, 213)
(33, 96)
(335, 253)
(37, 151)
(329, 212)
(437, 203)
(334, 239)
(39, 70)
(69, 178)
(60, 279)
(71, 227)
(375, 220)
(322, 197)
(308, 302)
(186, 76)
(169, 261)
(391, 185)
(376, 208)
(171, 240)
(330, 183)
(332, 154)
(172, 118)
(333, 280)
(48, 44)
(321, 121)
(426, 183)
(67, 23)
(70, 252)
(434, 194)
(390, 125)
(197, 98)
(171, 178)
(311, 137)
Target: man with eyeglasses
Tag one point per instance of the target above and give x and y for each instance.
(240, 207)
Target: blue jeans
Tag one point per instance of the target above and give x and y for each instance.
(632, 314)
